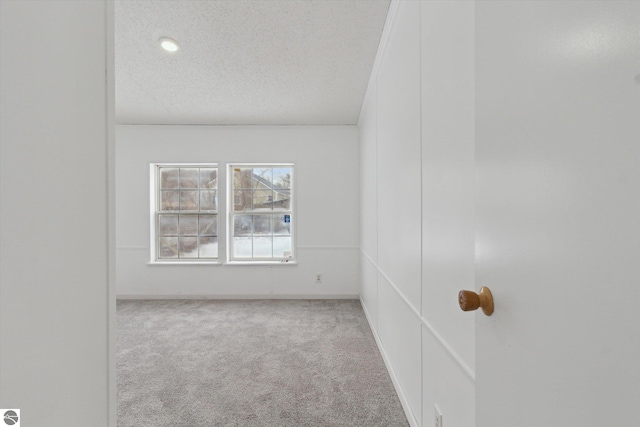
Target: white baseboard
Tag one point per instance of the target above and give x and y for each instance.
(244, 296)
(394, 379)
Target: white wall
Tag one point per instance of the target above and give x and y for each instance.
(417, 238)
(327, 188)
(448, 252)
(54, 234)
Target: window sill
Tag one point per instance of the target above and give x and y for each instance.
(261, 263)
(213, 262)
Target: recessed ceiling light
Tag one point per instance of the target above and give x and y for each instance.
(170, 45)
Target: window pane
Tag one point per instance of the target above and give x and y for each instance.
(280, 227)
(242, 200)
(188, 247)
(242, 178)
(168, 247)
(169, 200)
(262, 199)
(208, 225)
(188, 178)
(168, 178)
(208, 200)
(188, 225)
(189, 200)
(208, 247)
(282, 178)
(242, 225)
(242, 247)
(262, 178)
(168, 225)
(262, 247)
(262, 224)
(280, 245)
(208, 178)
(282, 200)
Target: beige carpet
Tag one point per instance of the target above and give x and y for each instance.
(251, 363)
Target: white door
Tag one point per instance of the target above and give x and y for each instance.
(558, 213)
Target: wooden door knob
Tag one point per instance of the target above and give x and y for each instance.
(470, 301)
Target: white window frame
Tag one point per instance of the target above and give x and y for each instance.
(155, 212)
(230, 210)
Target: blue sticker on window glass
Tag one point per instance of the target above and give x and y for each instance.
(287, 218)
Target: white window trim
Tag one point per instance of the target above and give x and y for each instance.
(230, 212)
(262, 262)
(154, 169)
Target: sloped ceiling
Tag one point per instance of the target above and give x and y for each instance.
(245, 62)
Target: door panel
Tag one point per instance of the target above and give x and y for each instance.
(558, 213)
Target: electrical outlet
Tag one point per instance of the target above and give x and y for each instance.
(437, 417)
(318, 277)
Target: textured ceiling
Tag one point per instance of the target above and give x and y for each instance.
(245, 62)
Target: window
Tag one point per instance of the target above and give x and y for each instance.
(184, 206)
(261, 217)
(259, 206)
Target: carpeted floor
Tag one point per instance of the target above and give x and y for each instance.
(251, 363)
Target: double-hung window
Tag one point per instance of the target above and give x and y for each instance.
(184, 206)
(261, 212)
